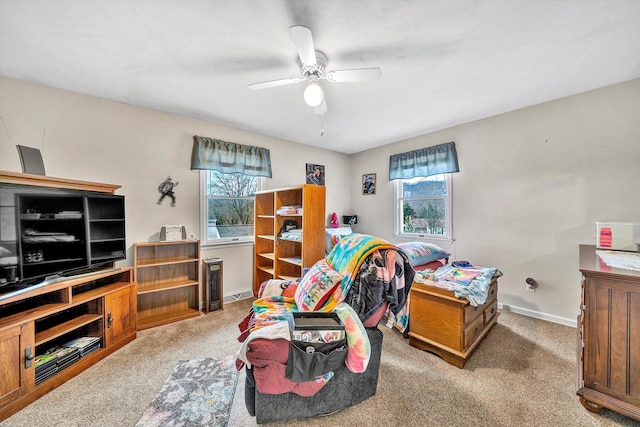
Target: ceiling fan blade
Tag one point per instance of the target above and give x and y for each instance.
(354, 75)
(303, 40)
(321, 108)
(275, 83)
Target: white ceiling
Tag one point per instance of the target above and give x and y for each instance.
(443, 62)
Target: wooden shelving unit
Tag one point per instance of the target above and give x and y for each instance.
(277, 258)
(167, 281)
(102, 304)
(37, 320)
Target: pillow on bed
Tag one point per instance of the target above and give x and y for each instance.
(422, 253)
(316, 286)
(433, 265)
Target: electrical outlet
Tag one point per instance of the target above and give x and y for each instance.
(531, 284)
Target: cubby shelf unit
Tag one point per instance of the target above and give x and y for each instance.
(168, 281)
(278, 258)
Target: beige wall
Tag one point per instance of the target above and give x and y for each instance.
(91, 139)
(531, 185)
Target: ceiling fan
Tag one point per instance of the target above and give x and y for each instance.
(313, 68)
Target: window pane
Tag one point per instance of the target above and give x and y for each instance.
(230, 184)
(423, 206)
(424, 216)
(229, 205)
(424, 187)
(229, 218)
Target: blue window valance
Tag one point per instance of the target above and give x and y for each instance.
(229, 157)
(424, 162)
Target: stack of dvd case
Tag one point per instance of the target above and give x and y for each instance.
(64, 356)
(85, 345)
(58, 358)
(46, 365)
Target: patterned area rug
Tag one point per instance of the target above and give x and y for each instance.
(197, 393)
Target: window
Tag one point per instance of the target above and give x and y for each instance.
(423, 207)
(227, 206)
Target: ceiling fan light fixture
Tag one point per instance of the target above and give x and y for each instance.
(313, 94)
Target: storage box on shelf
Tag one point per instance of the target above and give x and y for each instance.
(287, 255)
(168, 281)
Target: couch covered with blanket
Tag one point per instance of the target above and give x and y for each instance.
(361, 278)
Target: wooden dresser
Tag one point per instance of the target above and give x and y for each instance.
(608, 358)
(448, 326)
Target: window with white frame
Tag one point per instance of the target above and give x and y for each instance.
(227, 206)
(423, 207)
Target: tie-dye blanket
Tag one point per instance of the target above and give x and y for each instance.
(471, 283)
(359, 347)
(346, 257)
(273, 309)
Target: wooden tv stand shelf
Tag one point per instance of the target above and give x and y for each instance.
(448, 326)
(100, 305)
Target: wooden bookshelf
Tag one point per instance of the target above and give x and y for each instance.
(277, 258)
(167, 281)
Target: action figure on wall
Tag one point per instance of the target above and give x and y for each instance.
(166, 189)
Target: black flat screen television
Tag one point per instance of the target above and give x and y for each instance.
(48, 233)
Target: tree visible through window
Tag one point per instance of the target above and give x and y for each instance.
(424, 206)
(229, 200)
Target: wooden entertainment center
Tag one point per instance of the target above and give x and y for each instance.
(100, 305)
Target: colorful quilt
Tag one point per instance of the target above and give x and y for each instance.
(370, 265)
(471, 283)
(346, 257)
(270, 310)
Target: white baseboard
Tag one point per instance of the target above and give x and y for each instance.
(539, 315)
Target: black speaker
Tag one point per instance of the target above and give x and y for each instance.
(350, 219)
(31, 160)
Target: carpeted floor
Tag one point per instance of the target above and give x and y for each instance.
(522, 374)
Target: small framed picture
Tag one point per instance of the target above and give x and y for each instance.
(172, 233)
(315, 174)
(369, 183)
